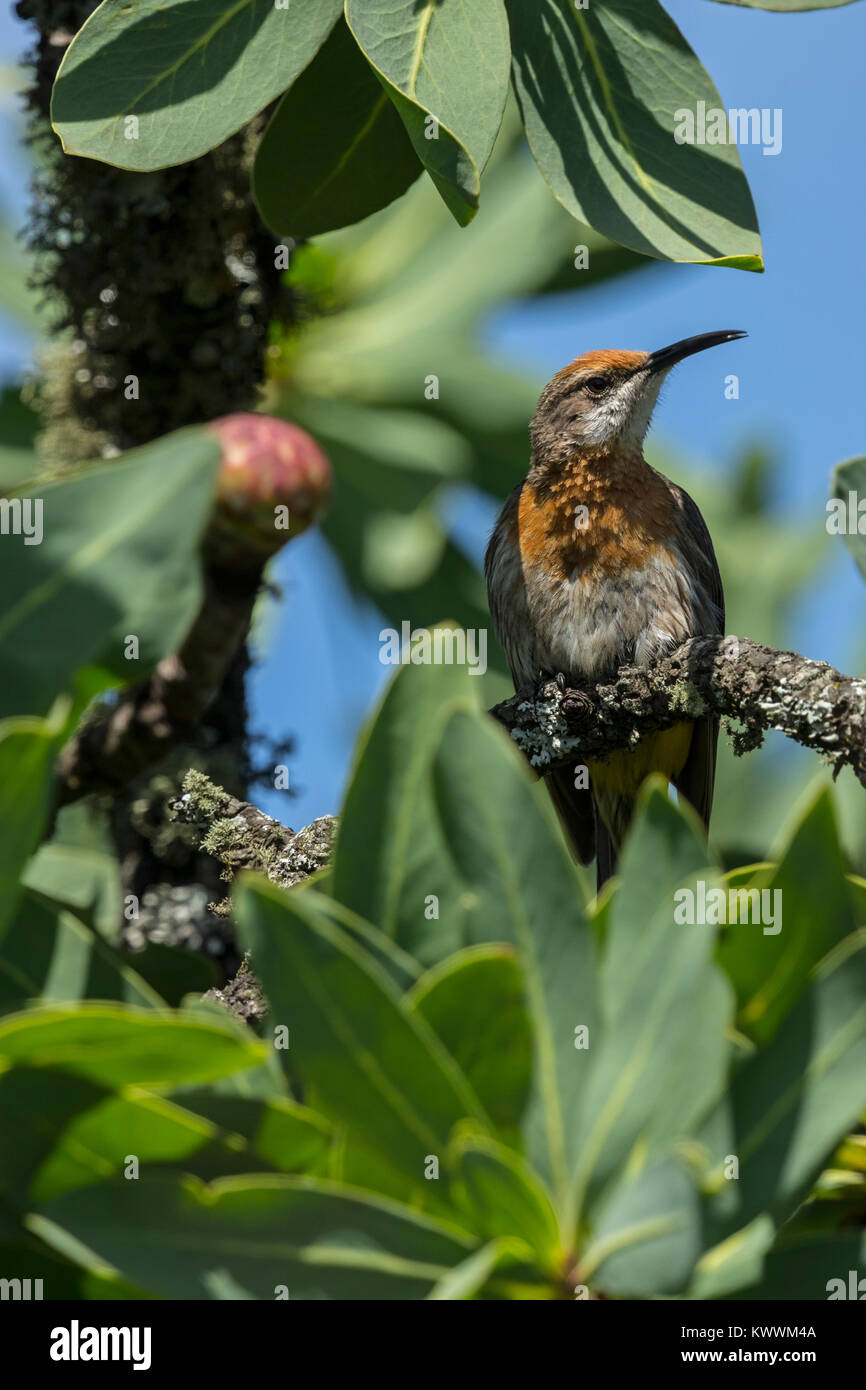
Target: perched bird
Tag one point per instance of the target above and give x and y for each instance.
(597, 561)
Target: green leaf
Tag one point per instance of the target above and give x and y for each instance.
(602, 91)
(25, 1257)
(468, 1278)
(372, 1064)
(189, 73)
(448, 62)
(733, 1263)
(178, 1238)
(657, 1063)
(27, 750)
(83, 878)
(175, 972)
(474, 1001)
(290, 1137)
(457, 818)
(814, 1266)
(40, 1103)
(208, 1135)
(386, 791)
(49, 954)
(335, 149)
(112, 1046)
(502, 1197)
(849, 486)
(792, 1101)
(98, 1142)
(119, 555)
(18, 467)
(646, 1236)
(809, 898)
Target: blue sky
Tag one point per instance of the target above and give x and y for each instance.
(801, 371)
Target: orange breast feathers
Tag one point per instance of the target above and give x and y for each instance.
(596, 515)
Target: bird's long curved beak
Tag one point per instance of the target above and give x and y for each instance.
(669, 356)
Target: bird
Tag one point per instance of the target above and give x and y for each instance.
(597, 561)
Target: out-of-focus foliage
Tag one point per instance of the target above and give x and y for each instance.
(573, 1138)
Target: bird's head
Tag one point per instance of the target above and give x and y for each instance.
(604, 401)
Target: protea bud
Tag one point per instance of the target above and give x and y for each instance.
(273, 482)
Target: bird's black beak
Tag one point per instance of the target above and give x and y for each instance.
(668, 356)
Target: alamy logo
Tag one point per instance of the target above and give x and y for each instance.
(444, 646)
(713, 907)
(77, 1343)
(739, 126)
(22, 516)
(21, 1289)
(855, 1288)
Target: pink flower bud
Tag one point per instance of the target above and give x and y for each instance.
(273, 482)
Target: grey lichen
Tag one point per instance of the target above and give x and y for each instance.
(241, 836)
(751, 687)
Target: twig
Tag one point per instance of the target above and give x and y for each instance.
(756, 686)
(121, 739)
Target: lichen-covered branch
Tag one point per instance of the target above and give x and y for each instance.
(241, 836)
(756, 687)
(120, 739)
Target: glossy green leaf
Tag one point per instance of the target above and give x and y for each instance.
(393, 791)
(207, 1135)
(502, 1197)
(18, 467)
(335, 149)
(734, 1263)
(849, 487)
(290, 1137)
(814, 1267)
(24, 1257)
(475, 1003)
(602, 91)
(118, 556)
(48, 954)
(44, 1101)
(792, 1101)
(81, 877)
(448, 62)
(28, 748)
(178, 1237)
(174, 972)
(468, 1278)
(657, 1062)
(805, 909)
(373, 1065)
(460, 830)
(112, 1046)
(159, 82)
(646, 1235)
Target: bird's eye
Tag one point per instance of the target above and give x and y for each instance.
(596, 385)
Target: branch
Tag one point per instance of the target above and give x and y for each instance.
(757, 686)
(241, 836)
(124, 737)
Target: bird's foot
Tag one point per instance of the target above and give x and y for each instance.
(558, 677)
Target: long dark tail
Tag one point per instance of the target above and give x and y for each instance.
(610, 830)
(589, 835)
(605, 855)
